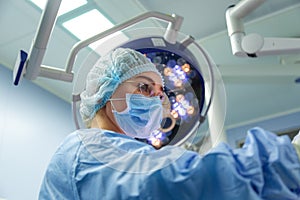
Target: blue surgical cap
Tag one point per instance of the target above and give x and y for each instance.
(107, 74)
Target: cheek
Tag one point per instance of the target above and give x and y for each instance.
(119, 105)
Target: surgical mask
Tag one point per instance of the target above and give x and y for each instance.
(142, 116)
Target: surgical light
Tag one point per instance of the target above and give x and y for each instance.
(185, 65)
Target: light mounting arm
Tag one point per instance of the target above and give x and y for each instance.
(170, 36)
(253, 45)
(32, 66)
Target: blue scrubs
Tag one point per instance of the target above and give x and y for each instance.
(99, 164)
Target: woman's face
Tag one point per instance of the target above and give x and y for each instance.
(146, 83)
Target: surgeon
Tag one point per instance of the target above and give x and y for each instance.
(123, 102)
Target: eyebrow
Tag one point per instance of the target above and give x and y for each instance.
(147, 78)
(150, 80)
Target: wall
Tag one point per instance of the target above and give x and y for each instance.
(32, 124)
(276, 125)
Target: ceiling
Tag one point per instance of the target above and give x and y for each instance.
(256, 88)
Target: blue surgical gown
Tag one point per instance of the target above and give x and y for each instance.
(99, 164)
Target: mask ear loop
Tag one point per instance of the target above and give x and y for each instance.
(116, 99)
(112, 105)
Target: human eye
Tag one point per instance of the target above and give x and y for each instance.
(145, 89)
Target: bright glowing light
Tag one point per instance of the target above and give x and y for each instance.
(174, 113)
(190, 110)
(156, 143)
(182, 77)
(167, 71)
(181, 111)
(92, 23)
(88, 24)
(65, 6)
(176, 67)
(186, 68)
(173, 77)
(172, 99)
(185, 104)
(178, 83)
(179, 98)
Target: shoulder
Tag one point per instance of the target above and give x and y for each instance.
(75, 139)
(70, 148)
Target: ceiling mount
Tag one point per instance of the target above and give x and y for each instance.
(254, 45)
(31, 68)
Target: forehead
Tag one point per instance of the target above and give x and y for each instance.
(150, 77)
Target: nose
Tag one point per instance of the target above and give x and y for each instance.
(158, 91)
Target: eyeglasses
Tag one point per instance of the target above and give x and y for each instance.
(148, 89)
